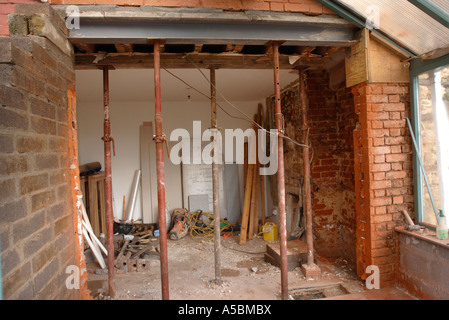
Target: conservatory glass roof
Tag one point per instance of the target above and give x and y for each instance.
(420, 26)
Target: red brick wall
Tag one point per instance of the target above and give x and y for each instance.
(384, 174)
(346, 121)
(306, 6)
(322, 119)
(332, 120)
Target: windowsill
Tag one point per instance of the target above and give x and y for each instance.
(426, 235)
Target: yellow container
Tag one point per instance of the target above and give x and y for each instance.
(270, 231)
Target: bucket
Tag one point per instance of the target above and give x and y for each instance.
(270, 231)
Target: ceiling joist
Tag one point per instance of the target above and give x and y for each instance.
(193, 60)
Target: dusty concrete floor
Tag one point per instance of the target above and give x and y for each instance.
(245, 275)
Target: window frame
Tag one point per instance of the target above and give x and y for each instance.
(418, 67)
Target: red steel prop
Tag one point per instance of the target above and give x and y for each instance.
(280, 174)
(160, 139)
(108, 182)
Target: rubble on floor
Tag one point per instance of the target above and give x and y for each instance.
(245, 274)
(135, 249)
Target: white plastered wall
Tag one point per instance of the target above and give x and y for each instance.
(126, 118)
(132, 104)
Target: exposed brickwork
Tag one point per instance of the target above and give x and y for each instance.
(346, 122)
(36, 215)
(306, 6)
(384, 174)
(331, 119)
(7, 7)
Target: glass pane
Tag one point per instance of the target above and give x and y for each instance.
(443, 4)
(404, 22)
(434, 116)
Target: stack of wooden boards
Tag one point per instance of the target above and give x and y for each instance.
(94, 200)
(254, 198)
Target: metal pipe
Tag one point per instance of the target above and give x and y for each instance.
(216, 187)
(160, 139)
(108, 182)
(306, 164)
(280, 174)
(418, 156)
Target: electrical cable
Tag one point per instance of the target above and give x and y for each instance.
(200, 229)
(203, 94)
(247, 118)
(204, 228)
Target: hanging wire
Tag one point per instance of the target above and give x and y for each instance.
(203, 94)
(246, 117)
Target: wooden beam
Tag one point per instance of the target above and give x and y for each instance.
(237, 49)
(84, 47)
(198, 48)
(229, 47)
(326, 51)
(373, 62)
(305, 61)
(252, 212)
(247, 204)
(123, 48)
(203, 60)
(307, 50)
(269, 49)
(356, 61)
(261, 190)
(146, 139)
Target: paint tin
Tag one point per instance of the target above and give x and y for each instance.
(270, 231)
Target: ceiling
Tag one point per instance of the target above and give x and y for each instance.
(138, 84)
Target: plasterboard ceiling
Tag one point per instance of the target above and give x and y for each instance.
(138, 85)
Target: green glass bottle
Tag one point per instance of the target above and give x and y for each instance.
(442, 232)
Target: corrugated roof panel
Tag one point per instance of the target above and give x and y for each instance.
(443, 4)
(405, 23)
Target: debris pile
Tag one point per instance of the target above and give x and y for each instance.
(198, 225)
(135, 249)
